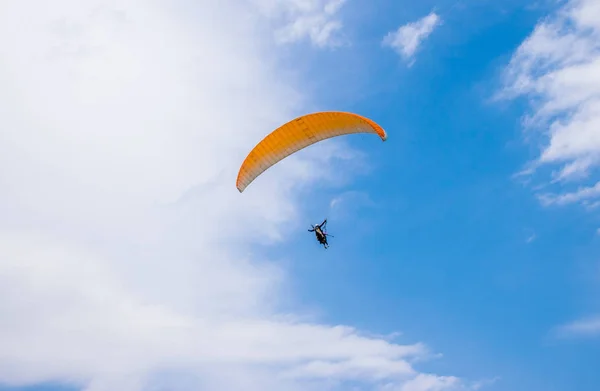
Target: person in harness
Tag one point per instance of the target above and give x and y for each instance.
(319, 230)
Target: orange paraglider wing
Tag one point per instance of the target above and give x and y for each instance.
(298, 134)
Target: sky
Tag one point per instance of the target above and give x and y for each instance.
(465, 247)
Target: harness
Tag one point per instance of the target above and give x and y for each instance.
(320, 235)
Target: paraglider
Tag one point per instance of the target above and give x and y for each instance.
(320, 233)
(299, 134)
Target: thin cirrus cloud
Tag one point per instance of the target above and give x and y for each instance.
(407, 38)
(557, 69)
(584, 328)
(126, 253)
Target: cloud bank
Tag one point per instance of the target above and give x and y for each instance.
(127, 257)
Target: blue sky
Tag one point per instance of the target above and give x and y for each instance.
(130, 262)
(454, 249)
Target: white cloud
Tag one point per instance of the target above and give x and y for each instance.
(589, 327)
(407, 38)
(315, 20)
(558, 68)
(430, 382)
(126, 253)
(584, 195)
(425, 382)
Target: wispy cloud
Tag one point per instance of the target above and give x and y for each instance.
(407, 38)
(315, 20)
(429, 382)
(426, 382)
(558, 69)
(477, 385)
(584, 195)
(126, 254)
(349, 202)
(588, 327)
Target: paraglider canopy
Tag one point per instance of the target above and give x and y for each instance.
(298, 134)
